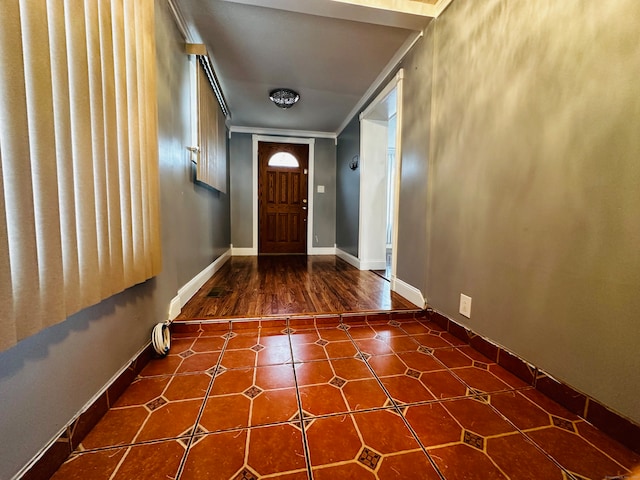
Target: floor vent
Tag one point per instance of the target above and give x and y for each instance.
(217, 292)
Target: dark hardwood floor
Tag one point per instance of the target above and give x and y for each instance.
(250, 287)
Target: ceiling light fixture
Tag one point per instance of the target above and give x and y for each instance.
(284, 97)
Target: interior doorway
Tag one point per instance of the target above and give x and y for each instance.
(391, 187)
(282, 198)
(380, 149)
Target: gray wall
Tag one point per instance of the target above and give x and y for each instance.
(534, 188)
(205, 215)
(416, 130)
(240, 152)
(46, 379)
(348, 189)
(241, 158)
(324, 204)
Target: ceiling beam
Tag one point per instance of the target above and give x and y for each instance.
(425, 8)
(429, 8)
(357, 11)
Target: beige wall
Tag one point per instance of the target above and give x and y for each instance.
(535, 185)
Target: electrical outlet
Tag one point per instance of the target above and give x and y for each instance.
(465, 305)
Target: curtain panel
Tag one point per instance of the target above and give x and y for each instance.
(79, 211)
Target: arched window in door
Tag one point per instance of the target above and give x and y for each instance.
(283, 159)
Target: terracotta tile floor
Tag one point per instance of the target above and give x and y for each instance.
(393, 400)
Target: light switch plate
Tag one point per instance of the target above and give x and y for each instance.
(320, 188)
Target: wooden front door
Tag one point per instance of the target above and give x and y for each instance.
(282, 198)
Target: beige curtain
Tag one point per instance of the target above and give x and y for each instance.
(212, 161)
(79, 217)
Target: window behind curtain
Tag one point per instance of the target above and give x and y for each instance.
(212, 160)
(79, 218)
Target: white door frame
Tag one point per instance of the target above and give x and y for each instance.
(367, 263)
(254, 172)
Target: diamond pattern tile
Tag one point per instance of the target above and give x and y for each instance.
(252, 392)
(562, 423)
(369, 458)
(307, 419)
(246, 474)
(474, 440)
(413, 373)
(425, 350)
(157, 403)
(363, 356)
(478, 395)
(382, 400)
(337, 382)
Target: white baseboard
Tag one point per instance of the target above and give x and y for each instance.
(321, 251)
(252, 252)
(175, 307)
(409, 292)
(244, 252)
(373, 264)
(190, 289)
(361, 264)
(347, 257)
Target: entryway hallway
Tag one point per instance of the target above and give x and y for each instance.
(384, 394)
(291, 285)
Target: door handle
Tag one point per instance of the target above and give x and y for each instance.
(304, 208)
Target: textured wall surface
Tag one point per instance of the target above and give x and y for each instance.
(416, 130)
(324, 204)
(240, 152)
(197, 208)
(348, 189)
(46, 379)
(535, 209)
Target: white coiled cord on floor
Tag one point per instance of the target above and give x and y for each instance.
(161, 339)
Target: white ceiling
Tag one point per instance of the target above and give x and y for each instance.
(332, 52)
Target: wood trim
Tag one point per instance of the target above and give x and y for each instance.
(373, 264)
(411, 293)
(254, 181)
(286, 133)
(347, 257)
(322, 251)
(192, 286)
(244, 252)
(370, 152)
(283, 204)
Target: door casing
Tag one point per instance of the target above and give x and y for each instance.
(371, 228)
(283, 200)
(310, 184)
